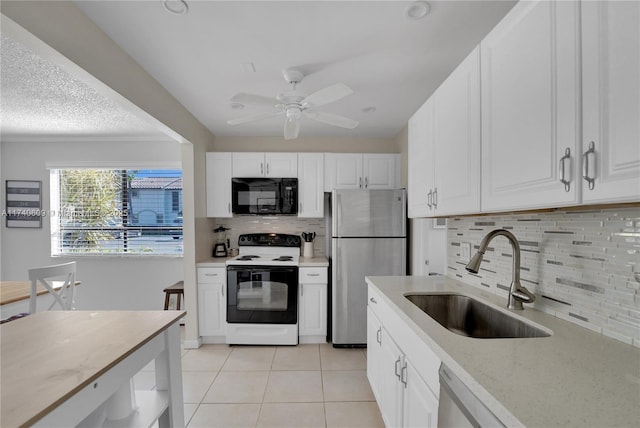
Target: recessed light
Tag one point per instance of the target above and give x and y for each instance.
(236, 106)
(369, 110)
(176, 7)
(418, 10)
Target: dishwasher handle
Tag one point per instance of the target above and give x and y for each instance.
(473, 409)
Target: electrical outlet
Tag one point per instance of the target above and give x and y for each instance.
(465, 252)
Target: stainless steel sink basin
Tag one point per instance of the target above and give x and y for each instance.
(469, 317)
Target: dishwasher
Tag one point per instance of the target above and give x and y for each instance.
(459, 407)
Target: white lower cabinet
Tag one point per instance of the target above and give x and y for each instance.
(212, 304)
(312, 308)
(404, 398)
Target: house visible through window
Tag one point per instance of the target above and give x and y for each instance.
(115, 211)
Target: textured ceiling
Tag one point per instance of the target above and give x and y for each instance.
(38, 98)
(391, 62)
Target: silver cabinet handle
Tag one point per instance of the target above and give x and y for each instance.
(585, 165)
(229, 206)
(360, 182)
(301, 289)
(379, 336)
(563, 180)
(261, 168)
(372, 300)
(366, 182)
(313, 274)
(403, 375)
(222, 289)
(435, 198)
(429, 198)
(300, 206)
(267, 169)
(210, 274)
(397, 369)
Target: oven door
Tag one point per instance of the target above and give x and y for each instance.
(262, 295)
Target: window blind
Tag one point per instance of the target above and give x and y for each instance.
(116, 212)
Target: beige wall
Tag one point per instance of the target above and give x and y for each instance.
(328, 145)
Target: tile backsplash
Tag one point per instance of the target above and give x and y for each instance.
(583, 266)
(291, 225)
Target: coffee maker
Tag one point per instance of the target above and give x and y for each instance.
(221, 244)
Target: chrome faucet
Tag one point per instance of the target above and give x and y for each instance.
(517, 293)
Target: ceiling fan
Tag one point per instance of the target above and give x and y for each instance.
(294, 105)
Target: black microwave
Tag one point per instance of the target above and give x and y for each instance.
(264, 196)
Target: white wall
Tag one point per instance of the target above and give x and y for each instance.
(107, 282)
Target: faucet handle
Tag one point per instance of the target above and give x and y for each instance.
(523, 295)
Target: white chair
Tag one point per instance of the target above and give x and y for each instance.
(65, 275)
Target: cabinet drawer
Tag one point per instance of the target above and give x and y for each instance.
(212, 275)
(312, 275)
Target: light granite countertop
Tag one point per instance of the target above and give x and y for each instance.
(575, 377)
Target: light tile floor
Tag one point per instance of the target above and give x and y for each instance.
(274, 386)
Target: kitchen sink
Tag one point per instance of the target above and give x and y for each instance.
(469, 317)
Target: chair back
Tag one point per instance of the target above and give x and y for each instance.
(59, 280)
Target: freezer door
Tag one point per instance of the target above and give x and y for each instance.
(369, 213)
(353, 259)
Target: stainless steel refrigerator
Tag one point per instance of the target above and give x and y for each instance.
(368, 238)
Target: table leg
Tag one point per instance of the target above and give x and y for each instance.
(169, 378)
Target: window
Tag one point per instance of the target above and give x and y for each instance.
(116, 211)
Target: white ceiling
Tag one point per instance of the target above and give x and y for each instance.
(391, 62)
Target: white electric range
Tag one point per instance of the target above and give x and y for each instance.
(262, 290)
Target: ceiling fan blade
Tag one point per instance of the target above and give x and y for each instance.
(332, 119)
(253, 118)
(328, 95)
(291, 128)
(243, 98)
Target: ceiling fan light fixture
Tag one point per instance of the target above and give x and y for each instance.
(176, 7)
(418, 10)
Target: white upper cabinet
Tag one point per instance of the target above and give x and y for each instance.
(611, 101)
(444, 146)
(456, 152)
(530, 65)
(277, 165)
(311, 185)
(420, 161)
(218, 171)
(380, 171)
(361, 171)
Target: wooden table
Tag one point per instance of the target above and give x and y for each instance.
(15, 291)
(58, 366)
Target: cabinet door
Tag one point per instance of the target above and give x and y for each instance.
(249, 165)
(611, 100)
(218, 171)
(391, 388)
(313, 310)
(374, 353)
(311, 185)
(380, 171)
(456, 156)
(212, 308)
(343, 171)
(420, 405)
(529, 70)
(281, 165)
(420, 160)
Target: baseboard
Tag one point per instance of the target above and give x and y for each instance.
(192, 344)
